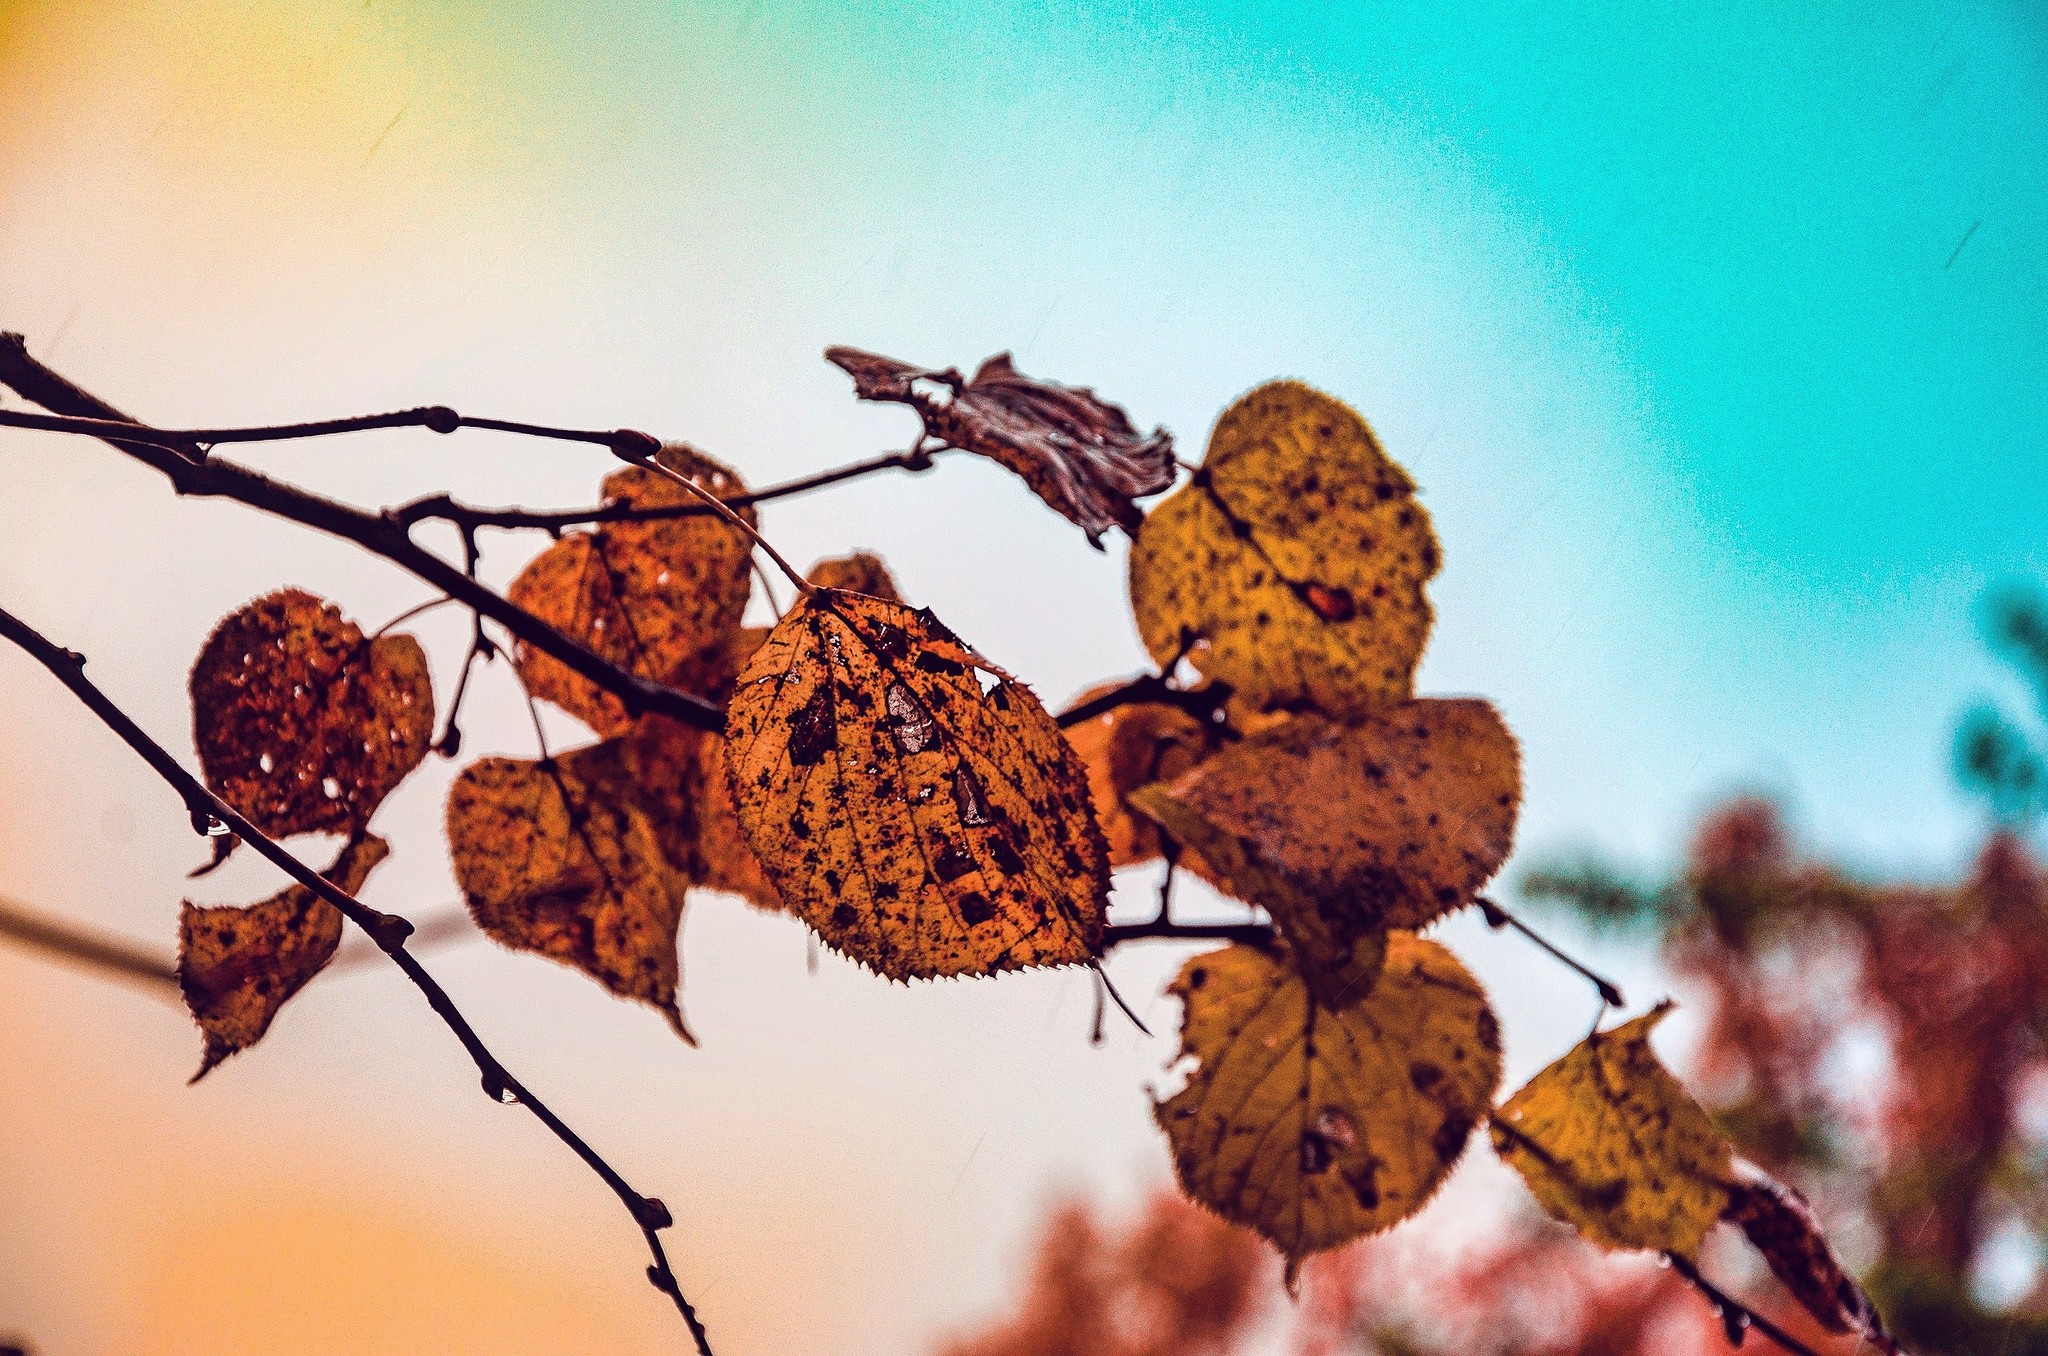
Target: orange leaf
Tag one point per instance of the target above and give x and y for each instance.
(1783, 1227)
(557, 859)
(921, 825)
(1127, 748)
(1292, 565)
(657, 598)
(303, 724)
(860, 572)
(238, 965)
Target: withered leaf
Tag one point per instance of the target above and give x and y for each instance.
(1315, 1127)
(1077, 451)
(677, 774)
(1399, 815)
(1292, 564)
(920, 825)
(1613, 1145)
(1783, 1227)
(1127, 748)
(558, 859)
(302, 723)
(238, 965)
(657, 598)
(858, 572)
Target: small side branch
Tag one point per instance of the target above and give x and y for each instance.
(1497, 917)
(77, 946)
(1151, 689)
(388, 931)
(1157, 929)
(1736, 1317)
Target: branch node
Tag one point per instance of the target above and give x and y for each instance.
(651, 1213)
(440, 419)
(389, 932)
(630, 444)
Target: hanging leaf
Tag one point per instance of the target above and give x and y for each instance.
(238, 965)
(1396, 817)
(557, 859)
(1614, 1146)
(860, 572)
(1292, 564)
(676, 773)
(921, 825)
(302, 723)
(1077, 452)
(657, 598)
(1315, 1127)
(1127, 748)
(1783, 1227)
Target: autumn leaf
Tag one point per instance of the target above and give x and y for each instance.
(1077, 452)
(1292, 564)
(676, 774)
(557, 859)
(657, 598)
(922, 826)
(1613, 1145)
(1782, 1226)
(238, 964)
(302, 723)
(858, 572)
(1127, 748)
(1315, 1127)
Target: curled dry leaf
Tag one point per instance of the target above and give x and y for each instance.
(921, 825)
(1613, 1145)
(1782, 1226)
(1292, 564)
(658, 598)
(1077, 451)
(1127, 748)
(238, 965)
(859, 572)
(302, 723)
(558, 859)
(1315, 1127)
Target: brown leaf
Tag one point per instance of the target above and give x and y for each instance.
(238, 965)
(1316, 1127)
(1127, 748)
(1613, 1145)
(921, 825)
(659, 598)
(860, 572)
(1783, 1227)
(1292, 565)
(302, 723)
(678, 778)
(560, 860)
(1077, 452)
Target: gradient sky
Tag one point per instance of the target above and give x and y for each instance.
(1712, 334)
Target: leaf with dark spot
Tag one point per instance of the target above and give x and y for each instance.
(1781, 1225)
(1077, 452)
(238, 965)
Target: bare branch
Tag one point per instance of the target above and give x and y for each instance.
(1497, 917)
(93, 950)
(388, 931)
(1151, 689)
(1736, 1316)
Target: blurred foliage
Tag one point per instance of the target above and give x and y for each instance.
(1997, 757)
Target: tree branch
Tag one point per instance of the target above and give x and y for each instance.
(1736, 1317)
(1497, 917)
(95, 951)
(191, 472)
(1151, 689)
(388, 931)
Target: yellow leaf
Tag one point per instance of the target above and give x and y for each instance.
(1315, 1127)
(921, 825)
(658, 598)
(1292, 564)
(559, 860)
(1614, 1146)
(302, 723)
(237, 966)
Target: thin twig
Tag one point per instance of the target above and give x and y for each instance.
(723, 510)
(388, 931)
(1150, 689)
(1736, 1316)
(1116, 934)
(92, 950)
(192, 473)
(1497, 917)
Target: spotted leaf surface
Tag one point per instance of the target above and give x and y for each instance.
(559, 860)
(1314, 1127)
(1613, 1145)
(922, 825)
(238, 965)
(302, 723)
(657, 598)
(1292, 564)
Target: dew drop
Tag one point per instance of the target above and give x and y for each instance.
(267, 763)
(330, 788)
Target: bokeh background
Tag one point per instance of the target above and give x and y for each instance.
(1711, 333)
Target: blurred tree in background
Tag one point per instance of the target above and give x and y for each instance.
(1883, 1047)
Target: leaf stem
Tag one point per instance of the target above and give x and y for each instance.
(1497, 917)
(1736, 1316)
(731, 516)
(388, 931)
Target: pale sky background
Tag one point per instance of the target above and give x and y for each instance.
(1712, 335)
